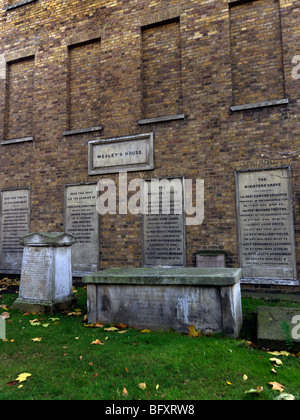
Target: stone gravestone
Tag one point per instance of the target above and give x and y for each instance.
(15, 223)
(46, 277)
(164, 224)
(82, 222)
(278, 328)
(266, 227)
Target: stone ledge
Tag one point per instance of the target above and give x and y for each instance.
(162, 119)
(167, 276)
(21, 3)
(47, 239)
(14, 141)
(82, 131)
(259, 105)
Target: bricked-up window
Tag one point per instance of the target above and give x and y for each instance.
(162, 86)
(84, 85)
(20, 99)
(256, 48)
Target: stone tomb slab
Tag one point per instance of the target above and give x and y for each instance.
(161, 298)
(278, 328)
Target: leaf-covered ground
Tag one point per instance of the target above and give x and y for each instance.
(61, 357)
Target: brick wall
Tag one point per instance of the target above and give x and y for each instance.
(206, 55)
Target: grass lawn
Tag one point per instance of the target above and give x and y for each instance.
(64, 365)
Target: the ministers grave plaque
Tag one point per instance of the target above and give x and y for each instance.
(14, 223)
(266, 226)
(164, 224)
(82, 222)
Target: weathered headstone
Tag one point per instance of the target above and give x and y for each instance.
(82, 222)
(164, 224)
(15, 223)
(46, 277)
(266, 227)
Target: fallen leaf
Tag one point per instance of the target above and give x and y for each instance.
(111, 329)
(121, 326)
(23, 377)
(273, 370)
(20, 386)
(36, 339)
(142, 386)
(228, 383)
(126, 369)
(122, 332)
(5, 315)
(12, 383)
(257, 390)
(278, 362)
(157, 387)
(99, 325)
(45, 325)
(245, 378)
(279, 353)
(54, 319)
(284, 396)
(33, 320)
(97, 342)
(75, 313)
(146, 331)
(125, 392)
(193, 332)
(276, 386)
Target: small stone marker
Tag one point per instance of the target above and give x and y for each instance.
(46, 277)
(278, 328)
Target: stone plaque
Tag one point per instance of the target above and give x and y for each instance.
(164, 225)
(133, 153)
(35, 274)
(15, 223)
(82, 222)
(266, 226)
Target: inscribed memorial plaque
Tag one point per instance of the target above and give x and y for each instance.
(133, 153)
(82, 222)
(15, 223)
(266, 226)
(164, 224)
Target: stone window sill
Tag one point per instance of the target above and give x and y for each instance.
(82, 131)
(14, 141)
(161, 119)
(21, 3)
(259, 105)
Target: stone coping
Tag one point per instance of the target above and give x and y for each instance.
(47, 239)
(167, 276)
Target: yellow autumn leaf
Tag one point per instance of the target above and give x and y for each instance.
(245, 378)
(36, 339)
(142, 386)
(278, 362)
(111, 329)
(193, 332)
(125, 392)
(97, 342)
(157, 387)
(146, 331)
(23, 377)
(228, 383)
(122, 332)
(276, 386)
